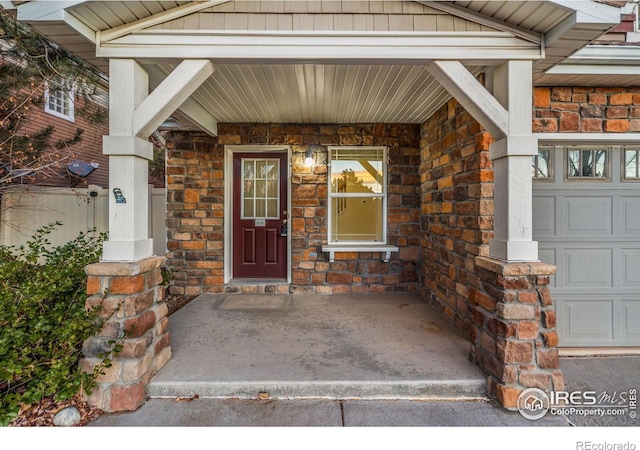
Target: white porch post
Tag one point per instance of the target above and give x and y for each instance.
(129, 157)
(511, 157)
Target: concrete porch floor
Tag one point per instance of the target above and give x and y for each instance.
(375, 346)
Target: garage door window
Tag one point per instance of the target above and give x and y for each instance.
(541, 164)
(587, 163)
(632, 164)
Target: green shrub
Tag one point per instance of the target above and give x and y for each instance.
(43, 321)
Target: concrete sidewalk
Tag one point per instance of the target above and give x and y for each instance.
(338, 361)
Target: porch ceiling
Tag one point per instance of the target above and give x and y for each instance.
(310, 93)
(322, 91)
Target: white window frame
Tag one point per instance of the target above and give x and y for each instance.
(70, 93)
(383, 194)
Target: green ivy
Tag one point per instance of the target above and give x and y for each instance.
(43, 320)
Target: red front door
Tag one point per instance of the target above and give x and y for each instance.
(259, 215)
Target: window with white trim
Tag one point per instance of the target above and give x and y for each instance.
(357, 207)
(587, 163)
(631, 161)
(59, 100)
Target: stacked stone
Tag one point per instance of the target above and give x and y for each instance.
(195, 208)
(514, 337)
(131, 300)
(457, 208)
(586, 109)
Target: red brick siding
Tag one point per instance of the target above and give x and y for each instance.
(195, 204)
(89, 149)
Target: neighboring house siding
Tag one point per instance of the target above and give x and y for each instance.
(323, 16)
(195, 205)
(89, 149)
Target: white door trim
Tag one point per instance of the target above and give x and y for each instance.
(229, 151)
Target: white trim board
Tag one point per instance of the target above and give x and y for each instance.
(591, 138)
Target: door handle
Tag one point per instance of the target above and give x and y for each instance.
(284, 230)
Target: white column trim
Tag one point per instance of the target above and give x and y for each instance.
(193, 111)
(169, 95)
(468, 91)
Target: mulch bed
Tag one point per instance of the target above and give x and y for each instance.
(41, 414)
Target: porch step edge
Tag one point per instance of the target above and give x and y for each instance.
(379, 390)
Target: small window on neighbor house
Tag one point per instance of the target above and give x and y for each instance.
(587, 163)
(541, 164)
(357, 195)
(59, 100)
(631, 161)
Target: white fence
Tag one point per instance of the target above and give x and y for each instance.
(23, 212)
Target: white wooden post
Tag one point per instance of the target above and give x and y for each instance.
(511, 157)
(129, 158)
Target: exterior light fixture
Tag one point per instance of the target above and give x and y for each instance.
(308, 161)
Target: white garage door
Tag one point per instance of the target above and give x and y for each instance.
(586, 219)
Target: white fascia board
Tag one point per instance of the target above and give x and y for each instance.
(590, 138)
(584, 13)
(7, 5)
(608, 52)
(481, 19)
(479, 47)
(591, 11)
(591, 69)
(157, 19)
(49, 11)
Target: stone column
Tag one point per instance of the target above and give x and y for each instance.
(514, 338)
(132, 302)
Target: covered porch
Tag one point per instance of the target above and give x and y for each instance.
(340, 346)
(429, 65)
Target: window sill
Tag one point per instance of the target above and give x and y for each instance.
(385, 250)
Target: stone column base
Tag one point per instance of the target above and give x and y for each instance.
(132, 301)
(514, 338)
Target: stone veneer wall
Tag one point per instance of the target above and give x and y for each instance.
(586, 109)
(457, 209)
(505, 308)
(195, 208)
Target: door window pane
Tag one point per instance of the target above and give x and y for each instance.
(260, 188)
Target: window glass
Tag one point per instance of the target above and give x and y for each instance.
(541, 164)
(632, 164)
(59, 100)
(591, 163)
(357, 195)
(260, 193)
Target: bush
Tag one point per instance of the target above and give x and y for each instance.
(43, 321)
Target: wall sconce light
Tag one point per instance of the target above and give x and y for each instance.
(308, 160)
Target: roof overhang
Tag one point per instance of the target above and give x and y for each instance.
(258, 67)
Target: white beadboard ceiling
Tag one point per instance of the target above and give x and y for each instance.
(324, 93)
(309, 93)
